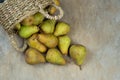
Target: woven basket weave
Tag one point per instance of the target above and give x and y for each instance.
(14, 11)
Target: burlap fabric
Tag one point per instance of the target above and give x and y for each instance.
(14, 11)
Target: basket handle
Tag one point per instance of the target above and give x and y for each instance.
(55, 17)
(15, 45)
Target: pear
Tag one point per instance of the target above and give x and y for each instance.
(61, 29)
(27, 31)
(57, 2)
(32, 56)
(64, 43)
(34, 43)
(54, 56)
(78, 53)
(17, 26)
(48, 40)
(38, 18)
(52, 9)
(28, 21)
(48, 26)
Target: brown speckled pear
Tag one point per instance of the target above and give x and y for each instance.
(48, 40)
(34, 43)
(32, 56)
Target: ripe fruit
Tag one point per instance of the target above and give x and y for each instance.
(78, 54)
(34, 43)
(54, 56)
(27, 31)
(32, 56)
(18, 26)
(48, 26)
(64, 43)
(38, 18)
(28, 21)
(52, 9)
(61, 29)
(48, 40)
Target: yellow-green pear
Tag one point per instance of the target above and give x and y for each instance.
(34, 43)
(61, 29)
(64, 43)
(48, 26)
(57, 2)
(55, 57)
(52, 9)
(38, 18)
(78, 53)
(27, 31)
(48, 40)
(32, 56)
(17, 26)
(28, 21)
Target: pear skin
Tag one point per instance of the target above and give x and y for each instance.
(48, 26)
(55, 57)
(48, 40)
(57, 2)
(27, 31)
(34, 43)
(17, 26)
(52, 9)
(64, 43)
(32, 56)
(38, 18)
(78, 53)
(28, 21)
(61, 29)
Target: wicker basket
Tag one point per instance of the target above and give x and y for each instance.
(14, 11)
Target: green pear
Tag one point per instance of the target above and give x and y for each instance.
(38, 18)
(54, 56)
(48, 40)
(27, 31)
(64, 43)
(32, 56)
(78, 53)
(28, 21)
(34, 43)
(48, 26)
(61, 29)
(17, 26)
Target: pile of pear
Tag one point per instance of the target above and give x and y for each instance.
(48, 41)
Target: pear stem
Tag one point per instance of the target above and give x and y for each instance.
(80, 67)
